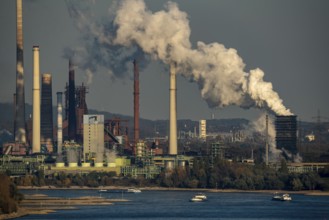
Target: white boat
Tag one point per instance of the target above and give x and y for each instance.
(283, 197)
(133, 190)
(195, 199)
(199, 197)
(102, 190)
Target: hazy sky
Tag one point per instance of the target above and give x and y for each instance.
(288, 40)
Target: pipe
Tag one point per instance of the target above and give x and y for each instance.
(36, 101)
(136, 105)
(173, 111)
(19, 124)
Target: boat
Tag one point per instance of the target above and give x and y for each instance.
(195, 199)
(283, 197)
(199, 197)
(133, 190)
(102, 190)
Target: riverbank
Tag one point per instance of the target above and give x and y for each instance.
(305, 192)
(40, 204)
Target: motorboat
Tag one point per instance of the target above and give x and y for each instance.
(199, 197)
(195, 199)
(283, 197)
(133, 190)
(102, 191)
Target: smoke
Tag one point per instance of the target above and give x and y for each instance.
(98, 49)
(294, 158)
(275, 154)
(259, 126)
(132, 30)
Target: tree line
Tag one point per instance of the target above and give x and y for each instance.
(220, 175)
(9, 195)
(231, 175)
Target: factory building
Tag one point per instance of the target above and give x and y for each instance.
(286, 133)
(203, 129)
(93, 138)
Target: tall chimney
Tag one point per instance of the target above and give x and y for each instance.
(47, 112)
(36, 101)
(19, 124)
(173, 111)
(59, 125)
(72, 114)
(136, 104)
(266, 141)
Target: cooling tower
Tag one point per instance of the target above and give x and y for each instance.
(59, 124)
(72, 126)
(136, 105)
(19, 124)
(286, 133)
(46, 112)
(173, 111)
(36, 101)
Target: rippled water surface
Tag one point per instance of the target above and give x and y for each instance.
(176, 205)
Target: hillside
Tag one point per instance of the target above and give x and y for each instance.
(148, 128)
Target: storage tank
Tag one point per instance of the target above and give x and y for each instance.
(99, 165)
(60, 165)
(85, 164)
(73, 164)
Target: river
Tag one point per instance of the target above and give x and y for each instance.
(175, 205)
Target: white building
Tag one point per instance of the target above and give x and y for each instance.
(203, 129)
(93, 137)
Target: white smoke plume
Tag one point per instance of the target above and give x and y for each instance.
(132, 30)
(259, 126)
(275, 154)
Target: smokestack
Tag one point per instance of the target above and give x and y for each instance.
(47, 112)
(36, 101)
(173, 111)
(266, 141)
(19, 124)
(136, 104)
(72, 114)
(59, 124)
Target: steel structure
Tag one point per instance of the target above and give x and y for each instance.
(286, 133)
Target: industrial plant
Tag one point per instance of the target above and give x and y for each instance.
(78, 141)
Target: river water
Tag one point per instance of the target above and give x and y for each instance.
(175, 205)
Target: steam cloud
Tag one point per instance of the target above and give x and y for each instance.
(134, 31)
(259, 126)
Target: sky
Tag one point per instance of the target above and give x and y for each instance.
(287, 40)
